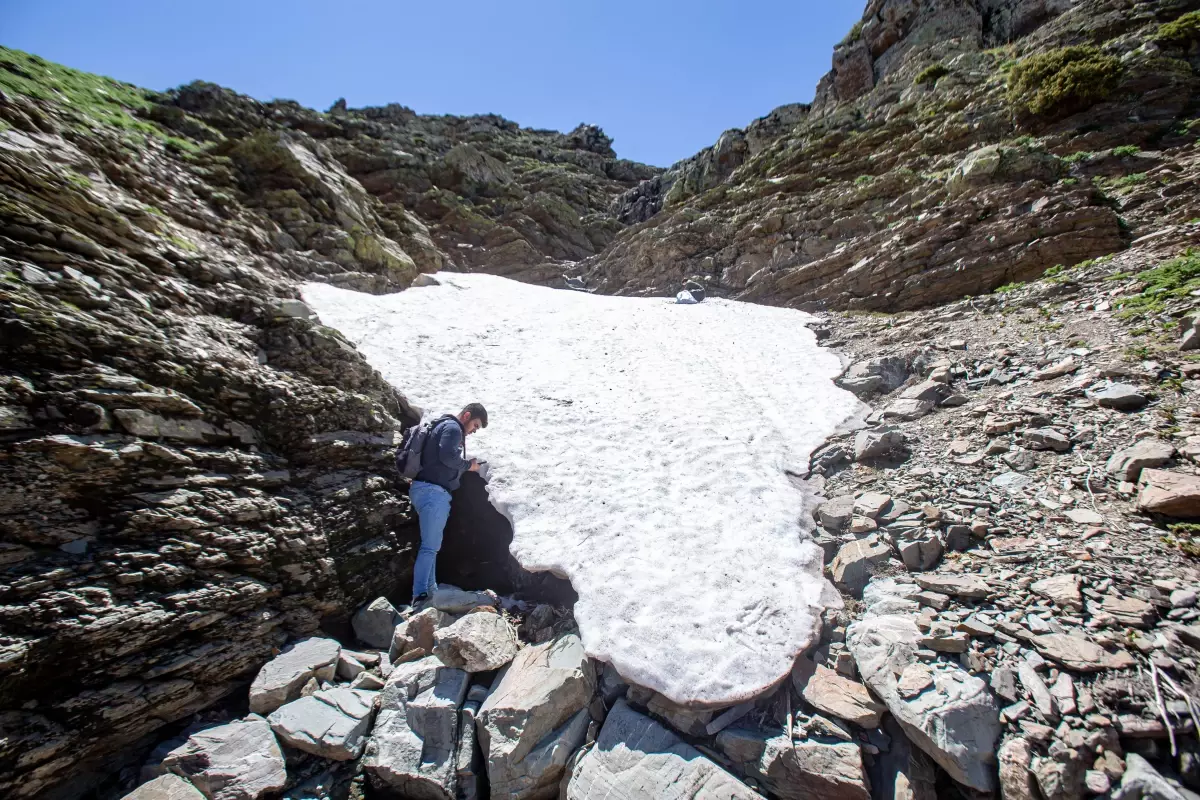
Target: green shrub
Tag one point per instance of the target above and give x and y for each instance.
(1180, 32)
(1062, 81)
(1075, 158)
(1126, 150)
(864, 180)
(1009, 287)
(931, 74)
(1173, 279)
(854, 35)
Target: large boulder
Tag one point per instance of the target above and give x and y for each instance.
(635, 757)
(330, 724)
(884, 374)
(1172, 494)
(237, 761)
(1128, 463)
(476, 643)
(873, 443)
(375, 622)
(281, 679)
(812, 769)
(529, 724)
(414, 638)
(413, 747)
(954, 719)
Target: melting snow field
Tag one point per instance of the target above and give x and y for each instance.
(640, 449)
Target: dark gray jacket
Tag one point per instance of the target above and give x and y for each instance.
(442, 460)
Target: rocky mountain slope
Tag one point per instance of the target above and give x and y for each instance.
(193, 469)
(953, 148)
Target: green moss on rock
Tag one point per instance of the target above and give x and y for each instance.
(1181, 32)
(931, 74)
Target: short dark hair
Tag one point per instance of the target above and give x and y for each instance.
(477, 411)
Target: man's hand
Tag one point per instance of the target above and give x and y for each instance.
(474, 466)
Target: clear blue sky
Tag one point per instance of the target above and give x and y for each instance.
(664, 78)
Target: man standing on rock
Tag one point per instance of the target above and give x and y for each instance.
(443, 462)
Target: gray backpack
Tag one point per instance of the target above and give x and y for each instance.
(408, 455)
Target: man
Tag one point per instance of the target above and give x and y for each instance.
(443, 463)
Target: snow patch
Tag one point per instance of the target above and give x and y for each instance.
(641, 450)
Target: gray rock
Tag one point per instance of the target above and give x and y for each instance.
(476, 643)
(453, 600)
(413, 747)
(921, 554)
(812, 769)
(281, 679)
(165, 787)
(1127, 464)
(835, 513)
(1042, 699)
(527, 727)
(1016, 780)
(1064, 367)
(416, 635)
(1142, 782)
(852, 566)
(929, 391)
(872, 443)
(908, 409)
(1120, 396)
(635, 757)
(293, 309)
(1063, 590)
(1046, 439)
(375, 623)
(154, 426)
(330, 724)
(468, 763)
(956, 722)
(884, 374)
(1189, 332)
(237, 761)
(969, 586)
(348, 667)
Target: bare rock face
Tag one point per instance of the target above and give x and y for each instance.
(531, 713)
(237, 761)
(636, 757)
(413, 746)
(476, 643)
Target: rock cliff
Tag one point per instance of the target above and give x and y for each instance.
(954, 147)
(194, 469)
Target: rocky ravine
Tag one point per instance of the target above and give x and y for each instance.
(196, 472)
(953, 148)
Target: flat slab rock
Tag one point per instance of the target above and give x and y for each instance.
(281, 679)
(1173, 494)
(810, 769)
(636, 757)
(237, 761)
(330, 724)
(971, 587)
(829, 692)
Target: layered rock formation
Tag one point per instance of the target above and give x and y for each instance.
(953, 148)
(194, 469)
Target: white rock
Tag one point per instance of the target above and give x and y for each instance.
(526, 722)
(281, 679)
(331, 724)
(453, 600)
(956, 722)
(237, 761)
(375, 622)
(476, 643)
(165, 787)
(635, 757)
(413, 747)
(637, 545)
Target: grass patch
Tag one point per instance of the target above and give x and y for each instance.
(854, 35)
(931, 74)
(1127, 181)
(1062, 81)
(1180, 32)
(1176, 278)
(91, 99)
(1075, 158)
(1008, 287)
(79, 181)
(864, 180)
(1126, 150)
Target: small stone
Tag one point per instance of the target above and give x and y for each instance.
(872, 504)
(1083, 516)
(1119, 396)
(933, 600)
(1046, 439)
(914, 679)
(835, 513)
(331, 724)
(1063, 590)
(1004, 684)
(1096, 782)
(966, 586)
(1042, 699)
(852, 565)
(1183, 598)
(870, 444)
(1064, 367)
(827, 691)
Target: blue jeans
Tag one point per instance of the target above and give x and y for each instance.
(432, 503)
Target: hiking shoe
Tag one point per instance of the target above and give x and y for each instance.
(419, 602)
